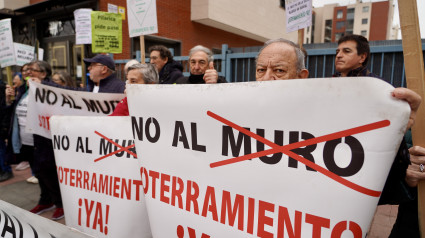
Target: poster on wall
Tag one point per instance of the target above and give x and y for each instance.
(142, 18)
(285, 158)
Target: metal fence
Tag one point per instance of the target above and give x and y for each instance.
(237, 65)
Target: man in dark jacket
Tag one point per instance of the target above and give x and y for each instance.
(169, 70)
(201, 68)
(102, 75)
(351, 60)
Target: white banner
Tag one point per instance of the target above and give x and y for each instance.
(46, 101)
(16, 222)
(142, 17)
(83, 26)
(99, 176)
(298, 14)
(25, 53)
(7, 54)
(202, 176)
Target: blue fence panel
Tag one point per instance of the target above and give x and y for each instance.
(385, 60)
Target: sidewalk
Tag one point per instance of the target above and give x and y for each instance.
(19, 192)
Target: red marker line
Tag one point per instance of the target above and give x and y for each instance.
(287, 150)
(117, 145)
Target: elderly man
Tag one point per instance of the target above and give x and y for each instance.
(169, 70)
(201, 68)
(102, 75)
(137, 74)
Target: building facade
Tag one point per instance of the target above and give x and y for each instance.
(372, 20)
(182, 24)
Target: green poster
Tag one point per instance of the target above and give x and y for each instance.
(106, 32)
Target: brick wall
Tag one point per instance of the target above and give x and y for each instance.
(379, 21)
(174, 23)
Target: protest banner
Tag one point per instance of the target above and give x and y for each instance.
(25, 53)
(298, 14)
(98, 173)
(7, 53)
(46, 101)
(106, 32)
(142, 18)
(288, 158)
(83, 26)
(16, 222)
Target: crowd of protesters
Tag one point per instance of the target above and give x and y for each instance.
(279, 59)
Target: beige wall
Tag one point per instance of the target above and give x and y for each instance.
(258, 20)
(359, 15)
(322, 14)
(13, 4)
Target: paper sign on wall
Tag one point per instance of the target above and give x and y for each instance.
(83, 34)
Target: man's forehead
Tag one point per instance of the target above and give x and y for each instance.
(199, 55)
(348, 44)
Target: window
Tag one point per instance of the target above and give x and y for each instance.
(349, 24)
(364, 21)
(338, 36)
(340, 25)
(366, 9)
(339, 14)
(282, 4)
(350, 13)
(364, 33)
(328, 30)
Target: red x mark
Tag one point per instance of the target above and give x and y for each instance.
(286, 149)
(117, 151)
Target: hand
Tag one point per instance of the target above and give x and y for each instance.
(211, 75)
(413, 172)
(10, 93)
(410, 97)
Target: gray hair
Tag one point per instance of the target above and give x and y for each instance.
(130, 63)
(148, 71)
(44, 67)
(203, 49)
(298, 52)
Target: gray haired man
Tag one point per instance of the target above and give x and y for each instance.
(201, 67)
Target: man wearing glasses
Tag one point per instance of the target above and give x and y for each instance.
(102, 77)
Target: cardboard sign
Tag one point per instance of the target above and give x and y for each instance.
(289, 158)
(25, 53)
(99, 178)
(7, 53)
(298, 14)
(16, 222)
(46, 101)
(83, 26)
(106, 32)
(142, 18)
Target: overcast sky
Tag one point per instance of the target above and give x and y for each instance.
(421, 5)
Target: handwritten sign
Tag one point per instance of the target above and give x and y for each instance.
(142, 17)
(298, 14)
(106, 32)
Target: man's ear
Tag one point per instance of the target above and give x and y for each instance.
(362, 58)
(303, 74)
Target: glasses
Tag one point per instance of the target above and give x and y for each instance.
(93, 65)
(32, 70)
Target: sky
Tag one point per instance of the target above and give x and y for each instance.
(420, 3)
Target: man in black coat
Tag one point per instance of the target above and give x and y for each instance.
(102, 75)
(168, 69)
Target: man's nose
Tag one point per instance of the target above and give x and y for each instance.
(269, 75)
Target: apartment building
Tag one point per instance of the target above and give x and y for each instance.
(372, 20)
